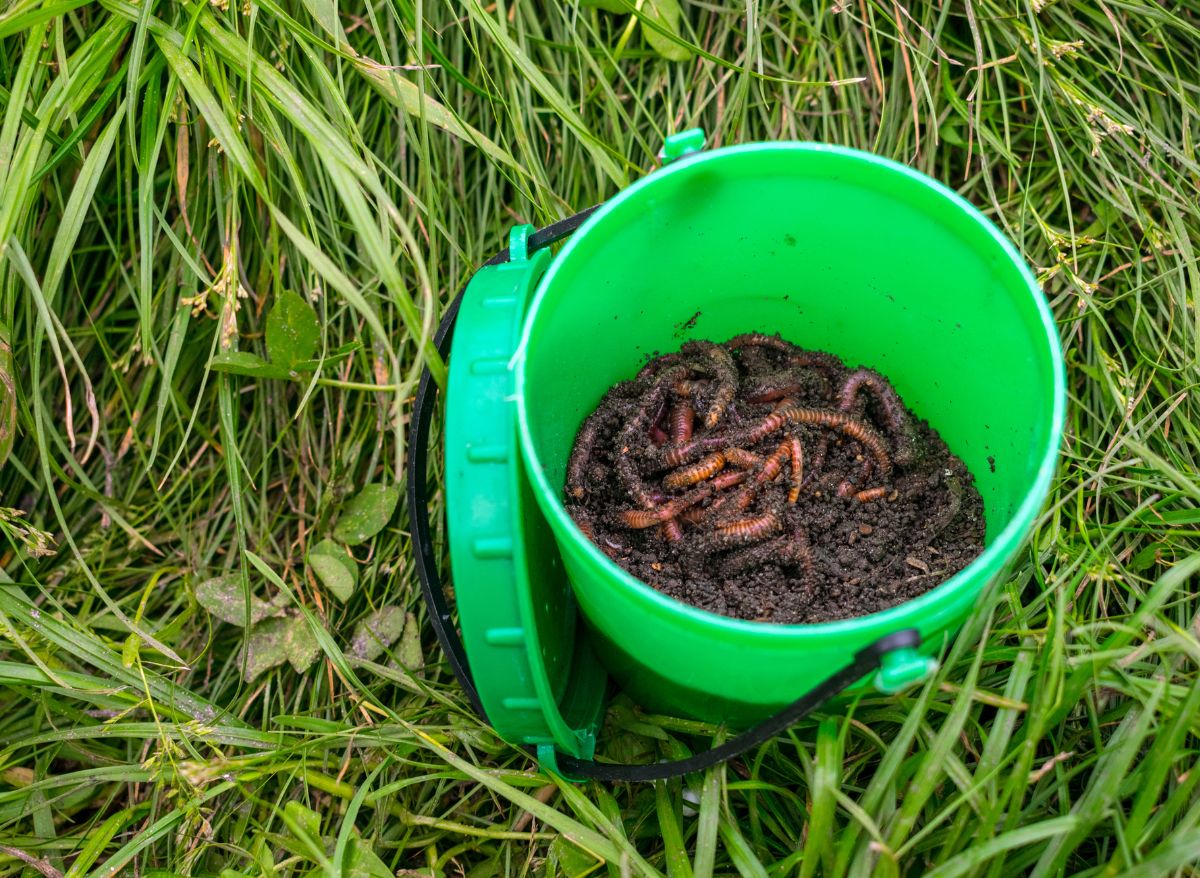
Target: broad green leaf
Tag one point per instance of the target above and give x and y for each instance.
(222, 596)
(333, 566)
(293, 332)
(572, 860)
(366, 514)
(409, 652)
(305, 825)
(300, 644)
(245, 363)
(275, 641)
(377, 632)
(330, 358)
(8, 398)
(608, 5)
(264, 648)
(362, 862)
(666, 14)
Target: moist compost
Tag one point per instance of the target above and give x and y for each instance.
(762, 481)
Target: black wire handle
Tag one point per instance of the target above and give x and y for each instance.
(865, 660)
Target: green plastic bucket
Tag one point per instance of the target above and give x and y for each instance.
(836, 250)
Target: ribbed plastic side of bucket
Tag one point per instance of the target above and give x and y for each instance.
(835, 250)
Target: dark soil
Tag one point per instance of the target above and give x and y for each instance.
(884, 511)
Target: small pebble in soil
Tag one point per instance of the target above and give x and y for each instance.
(762, 481)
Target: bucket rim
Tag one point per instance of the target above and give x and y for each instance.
(995, 555)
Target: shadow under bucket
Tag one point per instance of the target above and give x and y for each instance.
(833, 249)
(836, 250)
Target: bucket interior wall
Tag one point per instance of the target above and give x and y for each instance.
(869, 269)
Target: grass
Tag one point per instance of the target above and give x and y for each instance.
(169, 170)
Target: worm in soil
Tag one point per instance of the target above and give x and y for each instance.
(727, 479)
(682, 418)
(743, 531)
(772, 386)
(766, 471)
(773, 464)
(638, 519)
(827, 365)
(656, 365)
(761, 340)
(742, 458)
(723, 370)
(700, 471)
(847, 424)
(870, 494)
(790, 551)
(689, 388)
(582, 453)
(678, 455)
(651, 402)
(796, 455)
(583, 521)
(905, 440)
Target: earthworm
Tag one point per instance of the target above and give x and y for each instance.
(643, 518)
(827, 365)
(729, 479)
(703, 469)
(905, 439)
(742, 458)
(742, 531)
(682, 417)
(656, 365)
(671, 531)
(638, 519)
(625, 467)
(582, 452)
(871, 494)
(796, 453)
(792, 551)
(772, 386)
(583, 521)
(677, 455)
(758, 339)
(768, 471)
(845, 423)
(791, 451)
(800, 550)
(688, 388)
(724, 370)
(632, 481)
(773, 464)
